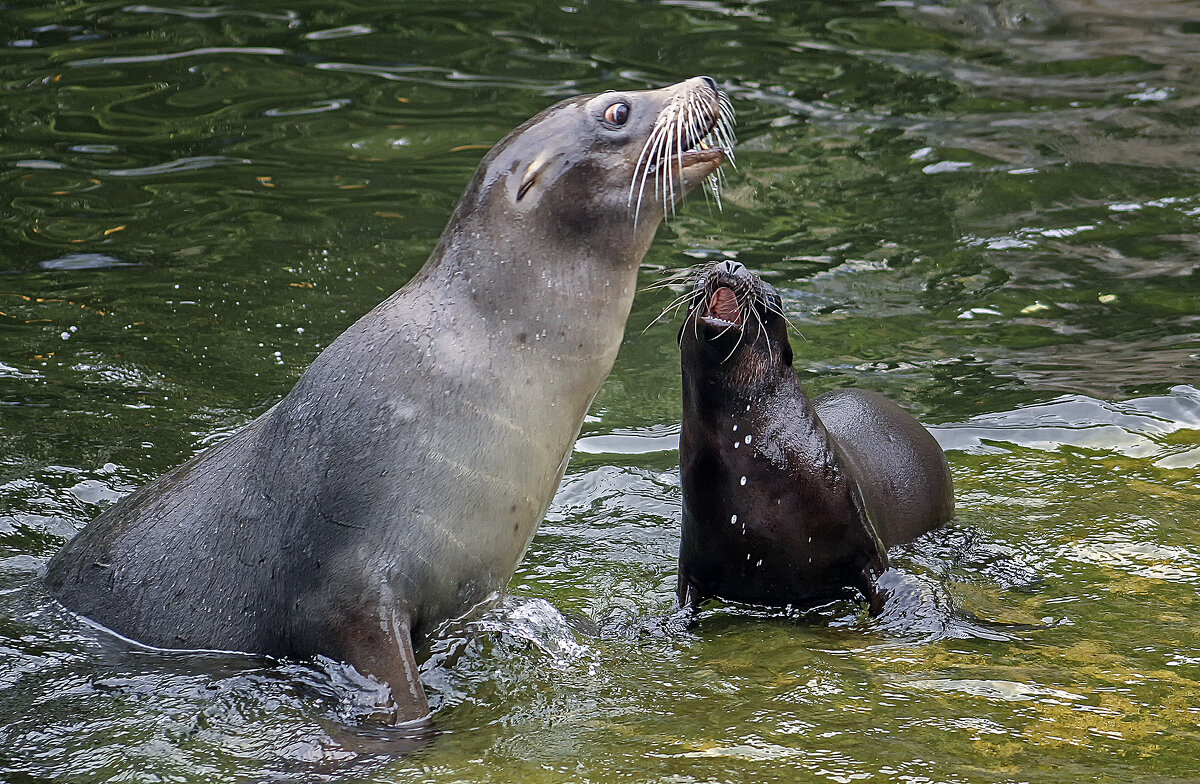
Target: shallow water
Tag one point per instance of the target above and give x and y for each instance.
(989, 212)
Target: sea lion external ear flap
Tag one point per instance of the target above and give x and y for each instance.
(535, 167)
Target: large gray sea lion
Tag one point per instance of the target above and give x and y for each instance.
(401, 480)
(788, 501)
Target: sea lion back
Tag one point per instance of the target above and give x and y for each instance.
(900, 467)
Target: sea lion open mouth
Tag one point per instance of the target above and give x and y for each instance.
(724, 298)
(723, 307)
(692, 136)
(731, 309)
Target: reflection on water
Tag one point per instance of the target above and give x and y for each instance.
(1133, 428)
(988, 211)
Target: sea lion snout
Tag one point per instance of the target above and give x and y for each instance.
(735, 319)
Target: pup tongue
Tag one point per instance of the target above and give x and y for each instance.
(724, 305)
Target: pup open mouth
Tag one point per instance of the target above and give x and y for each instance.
(723, 309)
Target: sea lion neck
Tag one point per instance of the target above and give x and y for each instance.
(718, 401)
(722, 378)
(538, 298)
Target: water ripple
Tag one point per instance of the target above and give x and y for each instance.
(445, 77)
(178, 165)
(219, 12)
(206, 51)
(1132, 428)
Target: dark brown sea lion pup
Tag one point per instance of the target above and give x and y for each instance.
(399, 483)
(788, 501)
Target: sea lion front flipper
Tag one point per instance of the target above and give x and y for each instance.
(386, 653)
(688, 596)
(876, 595)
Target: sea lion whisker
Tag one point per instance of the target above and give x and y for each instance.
(645, 163)
(657, 286)
(700, 135)
(721, 135)
(665, 174)
(656, 147)
(648, 161)
(726, 123)
(723, 129)
(673, 306)
(778, 311)
(682, 277)
(678, 278)
(701, 127)
(762, 329)
(689, 297)
(713, 137)
(672, 309)
(741, 334)
(651, 159)
(688, 117)
(678, 160)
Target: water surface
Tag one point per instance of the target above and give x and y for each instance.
(989, 212)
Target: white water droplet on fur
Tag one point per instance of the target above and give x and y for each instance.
(747, 556)
(733, 520)
(759, 562)
(736, 444)
(743, 481)
(735, 428)
(749, 438)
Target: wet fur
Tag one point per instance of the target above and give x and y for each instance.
(788, 501)
(401, 480)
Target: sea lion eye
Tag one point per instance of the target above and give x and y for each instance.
(617, 114)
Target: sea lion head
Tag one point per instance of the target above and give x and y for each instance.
(735, 327)
(603, 170)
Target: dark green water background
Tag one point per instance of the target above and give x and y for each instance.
(989, 211)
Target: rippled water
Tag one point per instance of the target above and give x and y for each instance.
(989, 211)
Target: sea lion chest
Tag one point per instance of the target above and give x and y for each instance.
(770, 514)
(446, 453)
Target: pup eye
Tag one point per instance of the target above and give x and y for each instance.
(617, 114)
